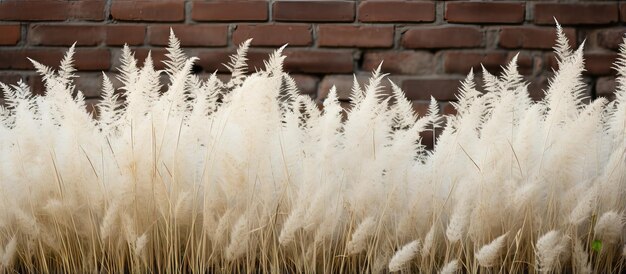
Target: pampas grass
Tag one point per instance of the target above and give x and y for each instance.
(196, 174)
(404, 256)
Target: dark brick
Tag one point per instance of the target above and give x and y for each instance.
(443, 89)
(396, 11)
(355, 36)
(47, 10)
(319, 61)
(611, 38)
(145, 10)
(485, 12)
(605, 87)
(532, 37)
(576, 13)
(84, 59)
(189, 35)
(117, 35)
(461, 62)
(400, 62)
(274, 35)
(313, 11)
(442, 37)
(10, 34)
(65, 35)
(229, 10)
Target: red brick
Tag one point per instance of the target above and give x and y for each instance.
(319, 61)
(296, 61)
(84, 59)
(65, 35)
(396, 11)
(485, 12)
(10, 78)
(442, 37)
(89, 83)
(117, 35)
(605, 87)
(158, 56)
(448, 109)
(10, 34)
(443, 89)
(599, 63)
(274, 35)
(461, 62)
(420, 107)
(532, 37)
(229, 11)
(355, 36)
(145, 10)
(190, 35)
(213, 60)
(400, 62)
(537, 87)
(344, 83)
(576, 13)
(611, 38)
(48, 10)
(313, 11)
(307, 84)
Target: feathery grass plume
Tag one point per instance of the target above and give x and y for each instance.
(361, 235)
(9, 253)
(237, 65)
(609, 228)
(581, 258)
(251, 176)
(549, 249)
(404, 256)
(584, 207)
(450, 268)
(489, 254)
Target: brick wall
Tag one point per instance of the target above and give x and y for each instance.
(427, 46)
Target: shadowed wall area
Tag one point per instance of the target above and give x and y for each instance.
(427, 47)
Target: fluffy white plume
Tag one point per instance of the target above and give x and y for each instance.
(196, 175)
(489, 254)
(404, 256)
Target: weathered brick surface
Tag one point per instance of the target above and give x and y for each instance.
(52, 10)
(426, 46)
(576, 13)
(274, 35)
(442, 37)
(443, 89)
(117, 35)
(611, 38)
(189, 35)
(485, 12)
(319, 61)
(396, 11)
(532, 37)
(84, 59)
(65, 35)
(605, 87)
(314, 11)
(355, 36)
(11, 34)
(461, 62)
(147, 10)
(229, 10)
(400, 62)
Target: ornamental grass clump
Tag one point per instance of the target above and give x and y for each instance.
(248, 175)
